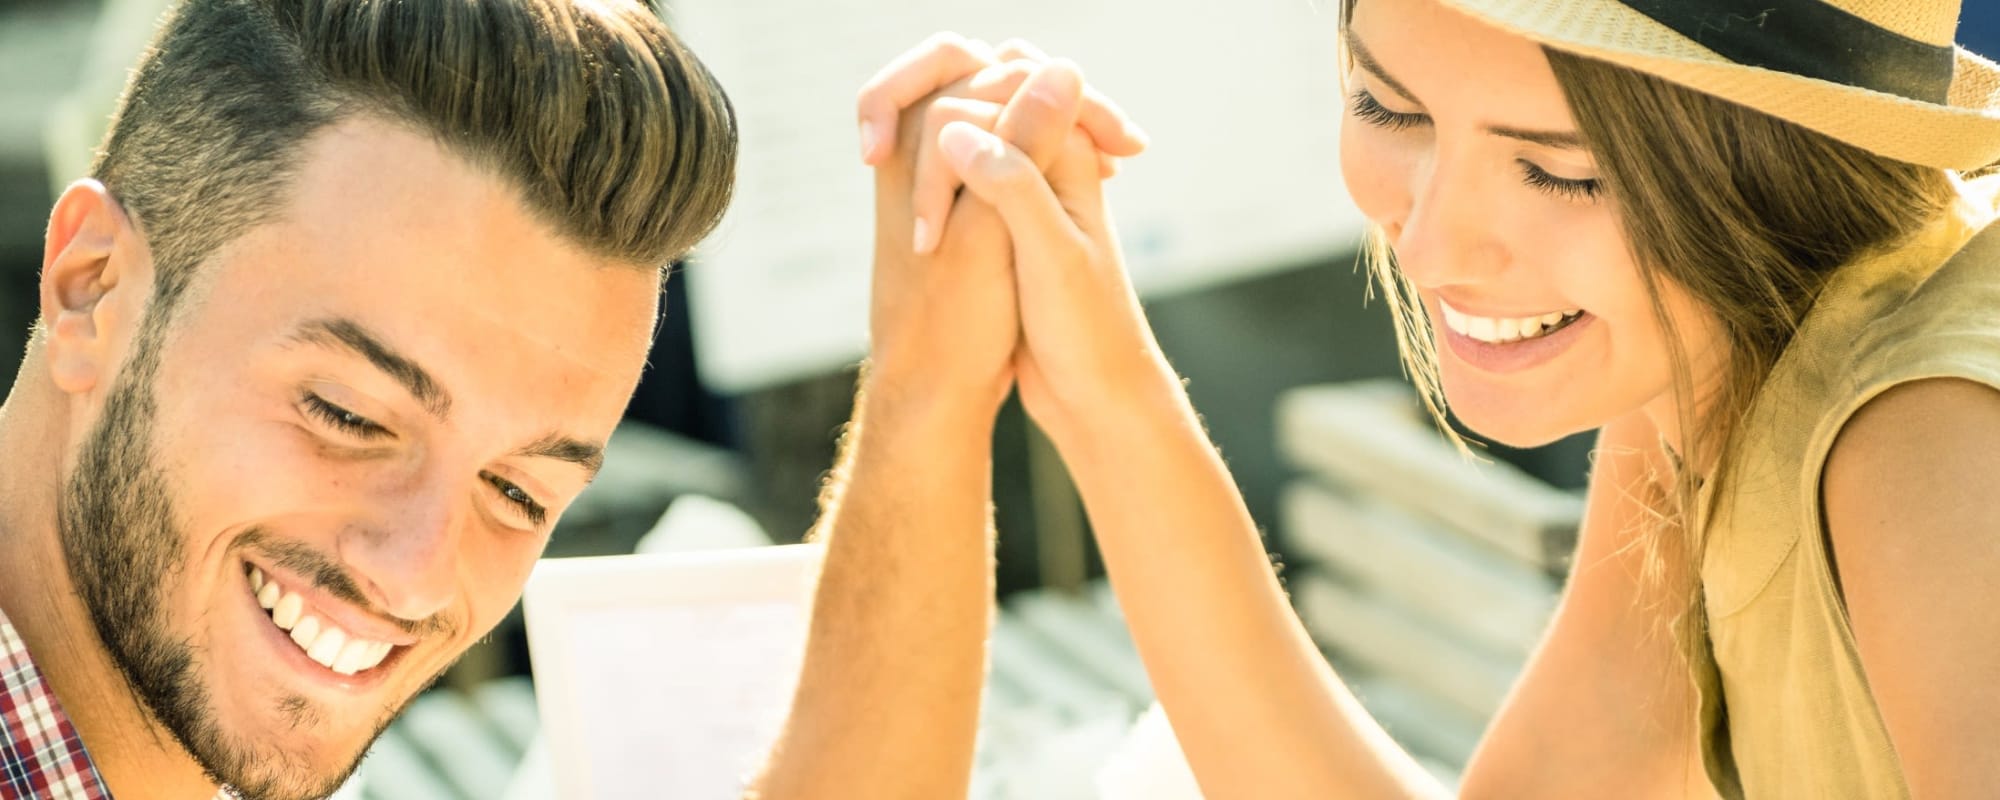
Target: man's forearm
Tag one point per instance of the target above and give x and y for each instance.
(888, 702)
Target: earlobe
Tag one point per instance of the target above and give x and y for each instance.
(79, 269)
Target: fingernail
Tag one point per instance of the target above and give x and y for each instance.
(867, 140)
(1138, 134)
(921, 242)
(959, 141)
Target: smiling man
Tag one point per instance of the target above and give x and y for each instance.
(339, 326)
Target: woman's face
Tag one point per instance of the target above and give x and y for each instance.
(1459, 143)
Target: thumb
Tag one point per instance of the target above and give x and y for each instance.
(1008, 180)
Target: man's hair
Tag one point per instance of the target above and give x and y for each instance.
(613, 133)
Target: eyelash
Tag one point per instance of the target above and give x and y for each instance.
(1586, 189)
(343, 419)
(534, 511)
(1371, 111)
(361, 427)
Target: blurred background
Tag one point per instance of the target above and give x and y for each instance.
(1425, 576)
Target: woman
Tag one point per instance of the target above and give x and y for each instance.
(1743, 245)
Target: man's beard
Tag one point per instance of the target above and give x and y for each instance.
(120, 537)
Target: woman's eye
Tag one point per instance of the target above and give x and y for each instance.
(342, 419)
(1369, 110)
(1566, 188)
(519, 499)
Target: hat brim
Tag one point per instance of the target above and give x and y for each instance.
(1963, 134)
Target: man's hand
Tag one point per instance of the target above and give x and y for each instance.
(944, 324)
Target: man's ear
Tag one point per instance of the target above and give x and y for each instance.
(83, 262)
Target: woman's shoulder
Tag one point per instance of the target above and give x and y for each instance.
(1921, 318)
(1929, 310)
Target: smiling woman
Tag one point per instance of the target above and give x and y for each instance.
(1699, 230)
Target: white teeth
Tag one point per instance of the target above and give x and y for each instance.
(359, 654)
(326, 649)
(1493, 330)
(322, 641)
(306, 631)
(286, 612)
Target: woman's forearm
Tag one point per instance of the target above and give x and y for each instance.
(1257, 710)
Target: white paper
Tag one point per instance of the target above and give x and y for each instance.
(687, 699)
(667, 676)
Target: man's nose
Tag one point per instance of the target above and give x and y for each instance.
(405, 551)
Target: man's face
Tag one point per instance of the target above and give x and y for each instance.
(376, 407)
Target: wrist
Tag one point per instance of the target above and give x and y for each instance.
(1105, 418)
(894, 401)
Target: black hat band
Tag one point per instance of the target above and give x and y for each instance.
(1813, 39)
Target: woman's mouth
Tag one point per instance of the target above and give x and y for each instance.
(1506, 330)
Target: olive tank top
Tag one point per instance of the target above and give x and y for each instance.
(1786, 711)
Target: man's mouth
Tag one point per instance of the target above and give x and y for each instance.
(322, 641)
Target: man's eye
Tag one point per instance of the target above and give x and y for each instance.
(519, 498)
(342, 419)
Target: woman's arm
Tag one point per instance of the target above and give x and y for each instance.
(1604, 708)
(1257, 711)
(1915, 528)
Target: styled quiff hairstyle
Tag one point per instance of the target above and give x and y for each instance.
(612, 132)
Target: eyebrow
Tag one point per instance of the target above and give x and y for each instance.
(346, 334)
(588, 455)
(1368, 62)
(1561, 140)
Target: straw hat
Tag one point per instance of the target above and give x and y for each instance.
(1883, 75)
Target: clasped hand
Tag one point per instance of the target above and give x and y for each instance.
(1018, 280)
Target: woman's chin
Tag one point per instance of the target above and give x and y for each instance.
(1511, 417)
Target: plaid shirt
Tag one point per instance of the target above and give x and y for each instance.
(41, 757)
(40, 754)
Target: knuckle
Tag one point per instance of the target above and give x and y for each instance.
(1078, 144)
(1066, 65)
(944, 111)
(946, 42)
(1010, 172)
(1019, 48)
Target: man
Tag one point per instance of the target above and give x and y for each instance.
(338, 328)
(334, 333)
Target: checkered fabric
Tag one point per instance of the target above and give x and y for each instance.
(41, 757)
(40, 754)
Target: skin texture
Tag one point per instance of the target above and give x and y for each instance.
(1600, 711)
(403, 527)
